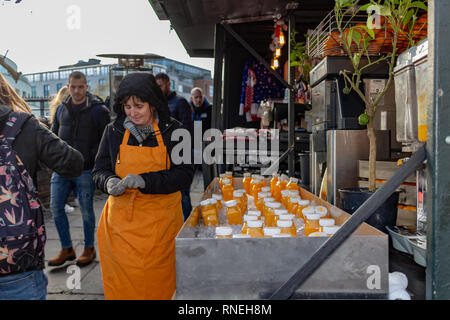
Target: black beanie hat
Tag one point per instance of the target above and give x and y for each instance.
(143, 86)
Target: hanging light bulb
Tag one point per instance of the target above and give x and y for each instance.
(275, 63)
(282, 39)
(277, 52)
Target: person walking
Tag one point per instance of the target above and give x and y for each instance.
(143, 214)
(80, 121)
(181, 111)
(24, 144)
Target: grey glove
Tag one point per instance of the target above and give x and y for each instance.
(114, 187)
(132, 181)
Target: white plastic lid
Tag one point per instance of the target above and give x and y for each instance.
(271, 231)
(226, 181)
(204, 202)
(230, 203)
(312, 216)
(326, 222)
(331, 229)
(217, 196)
(254, 223)
(212, 201)
(280, 211)
(241, 190)
(308, 210)
(285, 193)
(262, 194)
(250, 217)
(294, 180)
(269, 199)
(265, 189)
(241, 235)
(293, 199)
(282, 235)
(256, 180)
(273, 205)
(317, 234)
(321, 210)
(294, 193)
(256, 213)
(246, 174)
(284, 223)
(224, 231)
(237, 193)
(303, 202)
(287, 216)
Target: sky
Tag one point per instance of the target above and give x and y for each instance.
(41, 35)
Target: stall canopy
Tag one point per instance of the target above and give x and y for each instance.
(194, 20)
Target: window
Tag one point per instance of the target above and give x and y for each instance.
(101, 82)
(33, 92)
(58, 86)
(46, 90)
(172, 84)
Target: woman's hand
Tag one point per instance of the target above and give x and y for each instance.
(132, 181)
(114, 187)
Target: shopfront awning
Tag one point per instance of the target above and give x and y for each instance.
(194, 20)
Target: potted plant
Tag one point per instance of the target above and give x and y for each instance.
(392, 29)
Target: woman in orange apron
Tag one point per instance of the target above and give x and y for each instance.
(142, 216)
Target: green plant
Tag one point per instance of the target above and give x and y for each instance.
(299, 57)
(399, 15)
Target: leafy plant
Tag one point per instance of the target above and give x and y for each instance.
(398, 19)
(299, 57)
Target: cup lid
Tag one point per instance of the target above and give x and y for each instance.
(265, 189)
(212, 200)
(312, 216)
(230, 203)
(224, 231)
(254, 224)
(331, 229)
(269, 199)
(204, 202)
(262, 194)
(273, 205)
(286, 216)
(254, 213)
(217, 196)
(282, 235)
(308, 210)
(270, 231)
(237, 193)
(226, 181)
(241, 235)
(293, 200)
(241, 190)
(321, 210)
(293, 193)
(280, 211)
(303, 202)
(285, 192)
(295, 180)
(284, 223)
(250, 217)
(326, 222)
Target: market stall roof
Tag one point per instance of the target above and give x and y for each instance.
(194, 20)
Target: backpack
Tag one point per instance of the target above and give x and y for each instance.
(22, 231)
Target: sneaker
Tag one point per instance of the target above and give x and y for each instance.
(68, 208)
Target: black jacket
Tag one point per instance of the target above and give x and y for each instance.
(35, 144)
(161, 182)
(166, 181)
(203, 114)
(83, 129)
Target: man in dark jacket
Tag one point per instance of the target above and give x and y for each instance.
(181, 111)
(80, 121)
(201, 109)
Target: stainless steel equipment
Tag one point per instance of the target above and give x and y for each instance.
(345, 148)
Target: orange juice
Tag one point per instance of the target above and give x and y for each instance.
(234, 215)
(246, 182)
(322, 211)
(285, 194)
(245, 224)
(244, 198)
(229, 176)
(292, 204)
(221, 178)
(215, 205)
(256, 188)
(227, 190)
(254, 228)
(280, 186)
(325, 222)
(311, 223)
(278, 214)
(224, 232)
(209, 213)
(271, 231)
(273, 182)
(259, 203)
(292, 184)
(270, 213)
(302, 204)
(287, 226)
(240, 201)
(194, 216)
(219, 199)
(307, 210)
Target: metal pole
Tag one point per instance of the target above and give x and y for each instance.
(437, 199)
(362, 214)
(291, 102)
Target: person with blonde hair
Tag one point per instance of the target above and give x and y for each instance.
(24, 143)
(62, 95)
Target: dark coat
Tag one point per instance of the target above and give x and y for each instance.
(162, 182)
(180, 110)
(36, 144)
(203, 114)
(82, 130)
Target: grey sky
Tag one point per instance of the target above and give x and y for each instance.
(42, 35)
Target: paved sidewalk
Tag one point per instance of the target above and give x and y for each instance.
(61, 284)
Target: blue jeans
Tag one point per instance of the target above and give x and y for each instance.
(31, 285)
(59, 192)
(186, 202)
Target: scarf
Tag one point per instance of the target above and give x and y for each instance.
(139, 133)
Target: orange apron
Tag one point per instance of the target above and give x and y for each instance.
(136, 233)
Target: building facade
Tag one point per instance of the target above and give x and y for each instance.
(22, 86)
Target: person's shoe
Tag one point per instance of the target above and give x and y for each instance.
(76, 202)
(86, 257)
(66, 254)
(68, 208)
